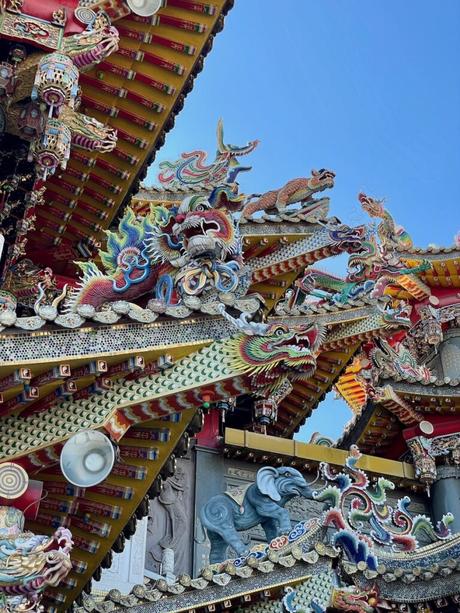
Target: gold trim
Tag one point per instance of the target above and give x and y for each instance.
(316, 453)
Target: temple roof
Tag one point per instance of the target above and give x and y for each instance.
(138, 90)
(378, 426)
(258, 586)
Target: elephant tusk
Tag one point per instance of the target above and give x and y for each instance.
(318, 474)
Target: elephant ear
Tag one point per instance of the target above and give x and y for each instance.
(266, 482)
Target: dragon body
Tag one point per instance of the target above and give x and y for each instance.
(378, 260)
(258, 358)
(191, 169)
(130, 270)
(29, 563)
(353, 504)
(391, 235)
(325, 285)
(397, 361)
(295, 190)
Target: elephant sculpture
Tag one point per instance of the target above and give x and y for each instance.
(262, 502)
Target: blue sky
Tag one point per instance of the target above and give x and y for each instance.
(369, 89)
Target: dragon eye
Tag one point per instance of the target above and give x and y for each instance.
(279, 332)
(286, 474)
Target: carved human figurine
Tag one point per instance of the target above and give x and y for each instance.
(170, 520)
(171, 498)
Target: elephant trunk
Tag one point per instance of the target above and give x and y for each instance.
(305, 491)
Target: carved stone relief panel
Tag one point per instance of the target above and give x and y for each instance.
(238, 474)
(170, 524)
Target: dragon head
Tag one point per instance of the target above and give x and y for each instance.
(398, 316)
(231, 151)
(57, 556)
(58, 566)
(204, 230)
(354, 599)
(372, 206)
(361, 264)
(321, 179)
(272, 352)
(92, 46)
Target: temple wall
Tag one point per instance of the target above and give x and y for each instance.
(127, 569)
(174, 521)
(450, 354)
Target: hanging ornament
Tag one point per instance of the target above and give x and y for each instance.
(265, 412)
(56, 81)
(433, 332)
(52, 149)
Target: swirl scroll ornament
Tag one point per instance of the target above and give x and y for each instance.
(354, 504)
(14, 480)
(85, 15)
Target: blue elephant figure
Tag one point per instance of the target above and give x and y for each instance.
(223, 516)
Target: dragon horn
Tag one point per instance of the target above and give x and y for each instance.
(220, 136)
(248, 327)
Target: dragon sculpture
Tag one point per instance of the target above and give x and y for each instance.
(342, 598)
(258, 359)
(330, 287)
(187, 257)
(295, 191)
(354, 600)
(318, 287)
(391, 235)
(89, 133)
(397, 360)
(395, 528)
(191, 169)
(272, 353)
(29, 563)
(383, 269)
(378, 261)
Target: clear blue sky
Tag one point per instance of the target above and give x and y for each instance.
(367, 88)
